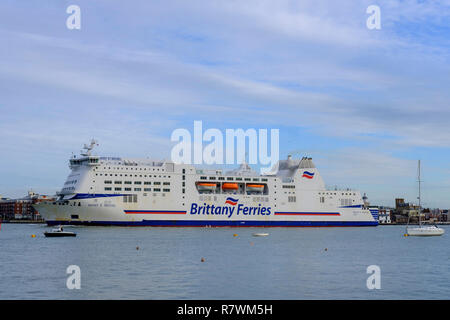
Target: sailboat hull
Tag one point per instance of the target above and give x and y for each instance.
(425, 231)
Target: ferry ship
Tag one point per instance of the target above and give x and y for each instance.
(115, 191)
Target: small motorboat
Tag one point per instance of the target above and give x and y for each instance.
(59, 232)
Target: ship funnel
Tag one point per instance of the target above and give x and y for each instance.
(306, 163)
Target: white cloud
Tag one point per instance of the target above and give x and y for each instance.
(156, 67)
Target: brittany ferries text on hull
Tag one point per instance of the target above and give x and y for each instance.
(142, 192)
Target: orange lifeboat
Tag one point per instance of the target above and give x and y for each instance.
(255, 187)
(230, 186)
(204, 186)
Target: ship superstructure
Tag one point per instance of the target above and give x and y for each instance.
(144, 192)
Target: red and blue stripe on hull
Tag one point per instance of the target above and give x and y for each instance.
(216, 223)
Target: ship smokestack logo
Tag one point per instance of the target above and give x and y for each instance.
(308, 175)
(231, 201)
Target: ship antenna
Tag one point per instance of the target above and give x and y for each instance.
(89, 148)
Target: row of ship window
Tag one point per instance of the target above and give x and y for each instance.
(137, 169)
(125, 175)
(137, 189)
(210, 198)
(232, 179)
(138, 182)
(344, 202)
(71, 182)
(342, 194)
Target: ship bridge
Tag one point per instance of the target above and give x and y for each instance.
(89, 161)
(86, 156)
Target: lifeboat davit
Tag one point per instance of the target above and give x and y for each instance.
(255, 187)
(230, 186)
(206, 186)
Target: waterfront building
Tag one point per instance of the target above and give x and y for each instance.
(18, 209)
(384, 215)
(444, 215)
(405, 210)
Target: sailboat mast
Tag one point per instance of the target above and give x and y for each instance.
(420, 204)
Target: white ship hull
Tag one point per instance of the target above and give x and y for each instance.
(99, 211)
(123, 192)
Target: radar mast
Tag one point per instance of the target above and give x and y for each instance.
(89, 148)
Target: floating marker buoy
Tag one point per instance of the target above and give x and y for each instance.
(33, 236)
(235, 235)
(406, 234)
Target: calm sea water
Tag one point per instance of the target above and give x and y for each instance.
(290, 263)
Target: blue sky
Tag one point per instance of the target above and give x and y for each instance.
(365, 104)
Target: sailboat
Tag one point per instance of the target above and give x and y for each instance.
(421, 230)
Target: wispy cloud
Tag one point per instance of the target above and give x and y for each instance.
(134, 73)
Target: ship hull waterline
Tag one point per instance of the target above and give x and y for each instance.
(200, 223)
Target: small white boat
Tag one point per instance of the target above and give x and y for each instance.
(260, 234)
(424, 231)
(59, 232)
(206, 187)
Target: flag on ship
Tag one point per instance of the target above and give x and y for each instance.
(308, 175)
(232, 201)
